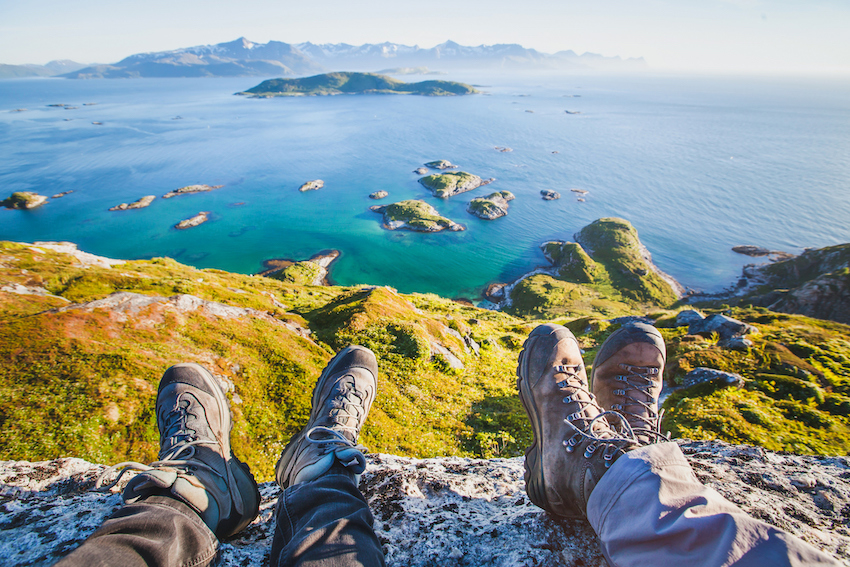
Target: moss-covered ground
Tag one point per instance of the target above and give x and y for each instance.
(446, 184)
(417, 214)
(79, 382)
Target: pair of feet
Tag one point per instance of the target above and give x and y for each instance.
(578, 433)
(196, 464)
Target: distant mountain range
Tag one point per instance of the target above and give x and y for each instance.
(50, 70)
(278, 59)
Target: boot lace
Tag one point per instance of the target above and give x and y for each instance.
(178, 448)
(346, 407)
(584, 428)
(640, 379)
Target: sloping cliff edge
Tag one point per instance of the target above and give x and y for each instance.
(447, 511)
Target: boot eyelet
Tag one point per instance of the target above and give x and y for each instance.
(617, 407)
(568, 399)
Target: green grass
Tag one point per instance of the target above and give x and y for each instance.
(416, 213)
(444, 185)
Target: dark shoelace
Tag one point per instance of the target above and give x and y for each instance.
(640, 379)
(609, 442)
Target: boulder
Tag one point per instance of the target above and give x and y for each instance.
(702, 375)
(378, 195)
(549, 195)
(687, 317)
(725, 327)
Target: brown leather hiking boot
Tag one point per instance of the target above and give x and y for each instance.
(573, 443)
(195, 462)
(628, 376)
(341, 401)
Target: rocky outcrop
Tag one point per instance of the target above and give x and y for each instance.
(447, 511)
(314, 271)
(62, 194)
(140, 204)
(441, 164)
(313, 185)
(378, 195)
(703, 375)
(445, 185)
(416, 215)
(549, 195)
(23, 200)
(191, 189)
(825, 297)
(725, 327)
(196, 220)
(492, 206)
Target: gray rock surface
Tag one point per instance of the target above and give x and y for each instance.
(140, 204)
(687, 317)
(725, 327)
(702, 375)
(313, 185)
(448, 512)
(191, 189)
(194, 221)
(549, 195)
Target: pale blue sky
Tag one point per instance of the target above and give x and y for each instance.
(768, 36)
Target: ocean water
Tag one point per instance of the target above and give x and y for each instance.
(698, 165)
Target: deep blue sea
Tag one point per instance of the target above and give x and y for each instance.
(698, 165)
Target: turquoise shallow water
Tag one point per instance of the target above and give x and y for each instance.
(697, 164)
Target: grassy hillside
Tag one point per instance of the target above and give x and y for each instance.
(79, 378)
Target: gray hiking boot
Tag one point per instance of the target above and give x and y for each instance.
(196, 465)
(628, 375)
(341, 401)
(573, 442)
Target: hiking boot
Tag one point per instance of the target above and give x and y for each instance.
(196, 465)
(628, 375)
(341, 401)
(573, 442)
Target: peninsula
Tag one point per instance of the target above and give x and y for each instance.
(354, 83)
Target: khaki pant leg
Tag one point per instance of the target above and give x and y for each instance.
(649, 509)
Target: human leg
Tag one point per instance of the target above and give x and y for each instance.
(197, 492)
(641, 496)
(321, 517)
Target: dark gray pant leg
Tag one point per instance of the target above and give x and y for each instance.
(325, 523)
(157, 531)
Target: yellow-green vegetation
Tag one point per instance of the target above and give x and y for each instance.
(445, 185)
(492, 206)
(573, 262)
(82, 382)
(355, 83)
(23, 200)
(614, 243)
(797, 390)
(605, 275)
(303, 273)
(416, 214)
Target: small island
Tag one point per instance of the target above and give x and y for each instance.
(378, 194)
(24, 200)
(492, 206)
(439, 164)
(420, 171)
(140, 204)
(445, 185)
(191, 189)
(549, 195)
(313, 185)
(196, 220)
(354, 83)
(415, 215)
(62, 194)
